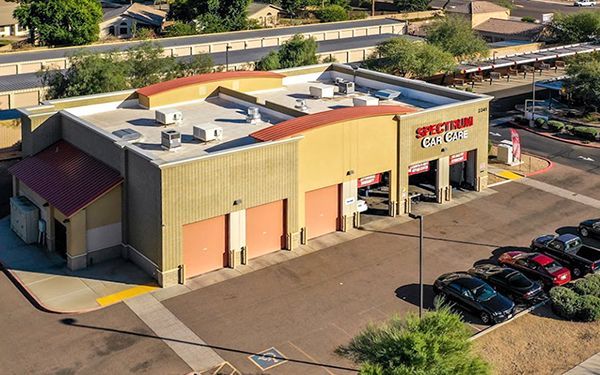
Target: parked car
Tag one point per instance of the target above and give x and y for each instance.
(475, 295)
(361, 206)
(569, 250)
(584, 3)
(537, 267)
(510, 283)
(590, 228)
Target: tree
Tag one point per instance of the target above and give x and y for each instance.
(269, 62)
(293, 7)
(405, 58)
(147, 65)
(87, 74)
(60, 22)
(179, 28)
(214, 15)
(454, 35)
(332, 13)
(188, 10)
(436, 344)
(576, 27)
(583, 81)
(198, 64)
(298, 51)
(411, 5)
(234, 12)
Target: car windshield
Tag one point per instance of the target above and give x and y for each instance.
(519, 281)
(483, 293)
(552, 267)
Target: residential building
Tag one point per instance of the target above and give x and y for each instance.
(121, 22)
(267, 15)
(9, 26)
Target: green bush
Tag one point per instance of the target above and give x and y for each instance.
(589, 309)
(332, 13)
(555, 125)
(179, 28)
(589, 285)
(569, 127)
(528, 19)
(539, 122)
(586, 132)
(565, 302)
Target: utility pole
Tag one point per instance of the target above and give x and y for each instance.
(420, 217)
(372, 8)
(227, 48)
(532, 121)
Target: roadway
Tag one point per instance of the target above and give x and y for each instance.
(195, 39)
(533, 8)
(32, 80)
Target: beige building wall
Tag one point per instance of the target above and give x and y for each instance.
(10, 134)
(479, 18)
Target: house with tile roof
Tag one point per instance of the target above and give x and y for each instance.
(121, 22)
(9, 26)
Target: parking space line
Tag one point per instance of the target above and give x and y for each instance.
(341, 329)
(309, 356)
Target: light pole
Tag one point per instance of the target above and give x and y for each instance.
(227, 48)
(420, 217)
(532, 121)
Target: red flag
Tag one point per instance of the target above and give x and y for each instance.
(516, 144)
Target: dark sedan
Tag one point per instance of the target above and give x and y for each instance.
(590, 228)
(537, 266)
(475, 295)
(510, 283)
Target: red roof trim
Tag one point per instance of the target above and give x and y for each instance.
(66, 177)
(300, 124)
(161, 87)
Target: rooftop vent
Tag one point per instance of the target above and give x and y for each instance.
(170, 139)
(127, 134)
(301, 105)
(208, 132)
(321, 91)
(345, 86)
(387, 94)
(168, 116)
(253, 116)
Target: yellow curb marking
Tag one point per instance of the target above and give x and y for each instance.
(124, 294)
(509, 175)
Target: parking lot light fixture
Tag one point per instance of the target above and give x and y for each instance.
(420, 217)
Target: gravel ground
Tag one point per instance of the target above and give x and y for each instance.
(539, 343)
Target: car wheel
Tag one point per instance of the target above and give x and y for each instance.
(584, 232)
(576, 272)
(485, 318)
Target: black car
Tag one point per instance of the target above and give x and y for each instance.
(510, 283)
(475, 295)
(589, 228)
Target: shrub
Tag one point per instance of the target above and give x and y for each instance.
(589, 285)
(520, 119)
(269, 62)
(332, 13)
(565, 302)
(180, 29)
(540, 122)
(555, 125)
(569, 127)
(585, 132)
(589, 309)
(357, 15)
(528, 19)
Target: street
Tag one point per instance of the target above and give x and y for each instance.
(534, 8)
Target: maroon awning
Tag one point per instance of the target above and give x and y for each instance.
(66, 177)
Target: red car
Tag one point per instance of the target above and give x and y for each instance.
(537, 266)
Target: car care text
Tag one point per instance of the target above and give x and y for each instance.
(443, 132)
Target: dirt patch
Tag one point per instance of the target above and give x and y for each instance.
(529, 163)
(492, 179)
(539, 343)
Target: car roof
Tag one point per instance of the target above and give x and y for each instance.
(463, 279)
(542, 259)
(567, 237)
(488, 269)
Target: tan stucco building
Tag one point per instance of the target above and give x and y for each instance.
(211, 171)
(477, 12)
(267, 15)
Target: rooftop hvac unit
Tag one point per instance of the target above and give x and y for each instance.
(253, 116)
(301, 105)
(365, 101)
(387, 94)
(127, 134)
(170, 139)
(168, 116)
(345, 86)
(321, 92)
(24, 217)
(208, 132)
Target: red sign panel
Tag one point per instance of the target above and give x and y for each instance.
(458, 158)
(418, 168)
(369, 180)
(516, 144)
(445, 126)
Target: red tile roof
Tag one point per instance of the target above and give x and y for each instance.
(203, 78)
(300, 124)
(66, 177)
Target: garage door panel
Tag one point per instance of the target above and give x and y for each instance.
(205, 246)
(322, 211)
(265, 228)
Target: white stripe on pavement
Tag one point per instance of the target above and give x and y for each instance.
(584, 199)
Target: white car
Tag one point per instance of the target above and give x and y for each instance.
(361, 206)
(584, 3)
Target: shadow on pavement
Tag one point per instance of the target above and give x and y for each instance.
(567, 230)
(410, 293)
(74, 323)
(434, 238)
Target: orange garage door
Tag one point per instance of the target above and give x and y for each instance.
(205, 246)
(265, 229)
(322, 207)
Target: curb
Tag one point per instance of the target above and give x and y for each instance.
(32, 298)
(553, 137)
(543, 170)
(496, 326)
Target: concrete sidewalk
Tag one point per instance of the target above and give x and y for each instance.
(589, 367)
(50, 284)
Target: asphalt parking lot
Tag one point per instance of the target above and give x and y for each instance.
(308, 306)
